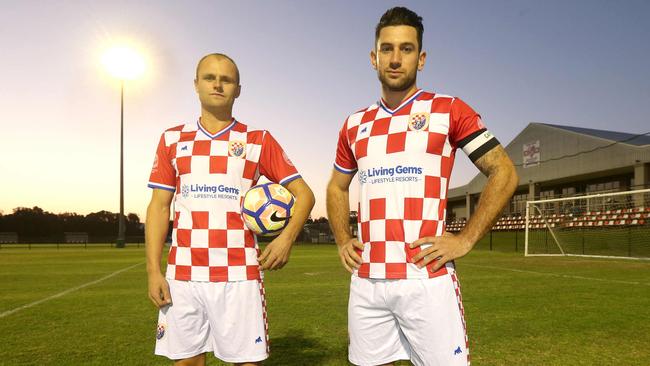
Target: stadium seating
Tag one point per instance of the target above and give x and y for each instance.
(621, 217)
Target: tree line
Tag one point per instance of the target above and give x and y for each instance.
(34, 224)
(37, 225)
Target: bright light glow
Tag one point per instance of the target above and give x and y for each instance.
(123, 63)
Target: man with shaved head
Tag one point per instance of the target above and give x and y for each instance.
(216, 56)
(212, 296)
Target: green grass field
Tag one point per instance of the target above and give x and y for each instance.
(610, 241)
(520, 311)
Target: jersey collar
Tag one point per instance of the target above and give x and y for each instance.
(404, 103)
(220, 132)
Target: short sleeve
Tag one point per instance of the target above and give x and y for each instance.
(345, 162)
(274, 162)
(467, 131)
(163, 174)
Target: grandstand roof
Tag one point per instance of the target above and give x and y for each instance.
(567, 153)
(623, 137)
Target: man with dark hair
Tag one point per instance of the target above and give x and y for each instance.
(404, 294)
(212, 296)
(401, 16)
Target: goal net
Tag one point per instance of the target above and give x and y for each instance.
(615, 225)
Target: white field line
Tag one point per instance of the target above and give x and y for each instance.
(9, 312)
(556, 274)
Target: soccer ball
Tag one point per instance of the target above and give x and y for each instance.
(267, 208)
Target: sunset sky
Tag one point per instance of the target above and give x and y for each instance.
(304, 67)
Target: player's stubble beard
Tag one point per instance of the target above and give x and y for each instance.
(403, 85)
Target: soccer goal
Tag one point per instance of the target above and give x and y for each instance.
(609, 225)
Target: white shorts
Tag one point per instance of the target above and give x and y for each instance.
(226, 318)
(417, 319)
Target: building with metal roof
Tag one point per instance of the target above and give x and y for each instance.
(557, 161)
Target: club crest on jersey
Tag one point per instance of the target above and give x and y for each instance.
(419, 121)
(237, 149)
(160, 331)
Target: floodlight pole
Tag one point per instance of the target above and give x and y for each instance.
(121, 230)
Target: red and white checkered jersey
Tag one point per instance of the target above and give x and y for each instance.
(404, 158)
(210, 175)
